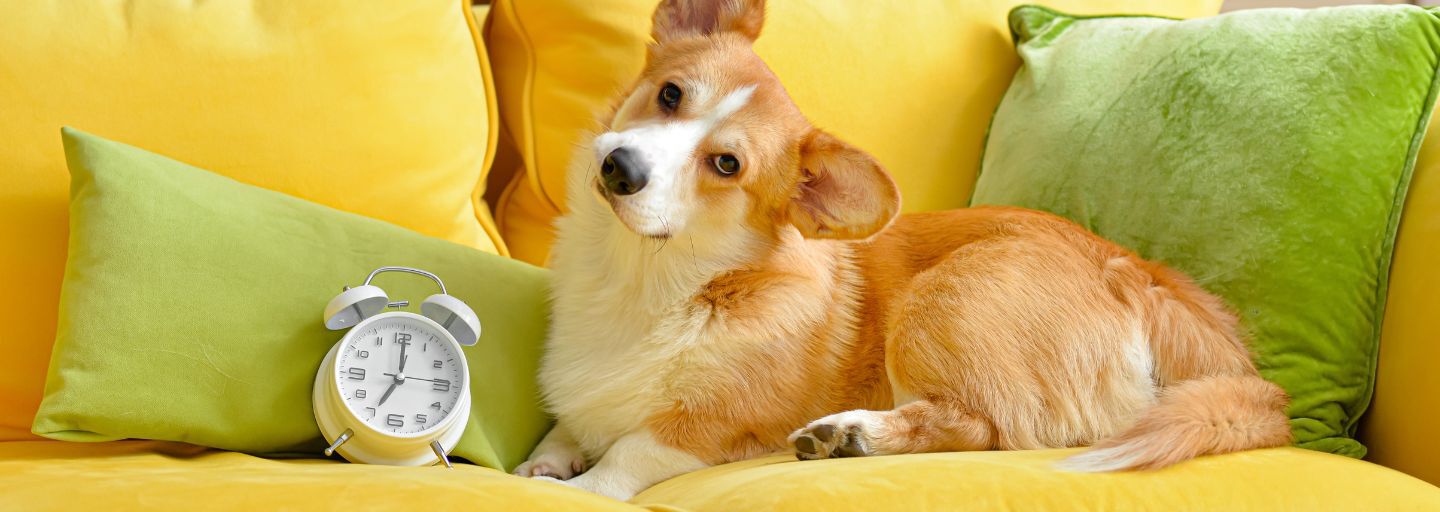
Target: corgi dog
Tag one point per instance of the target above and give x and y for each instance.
(731, 282)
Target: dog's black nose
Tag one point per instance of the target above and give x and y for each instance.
(623, 172)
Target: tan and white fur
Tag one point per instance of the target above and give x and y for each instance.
(731, 281)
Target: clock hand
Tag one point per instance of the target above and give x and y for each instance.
(386, 396)
(407, 377)
(403, 344)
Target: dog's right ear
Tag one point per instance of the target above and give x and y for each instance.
(678, 19)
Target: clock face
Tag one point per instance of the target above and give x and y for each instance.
(400, 375)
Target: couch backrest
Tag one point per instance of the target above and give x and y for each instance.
(1399, 427)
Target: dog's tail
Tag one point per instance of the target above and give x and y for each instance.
(1202, 416)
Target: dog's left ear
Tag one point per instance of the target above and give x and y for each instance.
(843, 192)
(677, 19)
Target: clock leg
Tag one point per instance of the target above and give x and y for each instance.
(339, 441)
(440, 452)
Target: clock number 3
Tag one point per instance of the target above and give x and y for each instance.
(441, 385)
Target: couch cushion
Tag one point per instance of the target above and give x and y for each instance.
(148, 475)
(192, 305)
(1218, 147)
(1262, 480)
(374, 108)
(1399, 427)
(914, 86)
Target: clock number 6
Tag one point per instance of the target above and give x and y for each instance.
(395, 420)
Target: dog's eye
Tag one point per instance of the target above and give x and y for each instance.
(727, 164)
(670, 96)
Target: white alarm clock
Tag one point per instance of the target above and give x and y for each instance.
(395, 389)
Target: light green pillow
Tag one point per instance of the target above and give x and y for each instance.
(192, 304)
(1265, 153)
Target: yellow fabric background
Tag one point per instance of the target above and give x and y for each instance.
(914, 86)
(376, 108)
(1260, 481)
(148, 475)
(1400, 426)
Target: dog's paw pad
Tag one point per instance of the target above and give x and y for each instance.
(552, 469)
(853, 444)
(825, 433)
(837, 435)
(806, 444)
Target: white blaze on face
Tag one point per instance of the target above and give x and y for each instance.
(667, 149)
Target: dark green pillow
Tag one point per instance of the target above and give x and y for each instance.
(192, 304)
(1265, 153)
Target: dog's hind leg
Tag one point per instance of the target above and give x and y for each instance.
(1012, 342)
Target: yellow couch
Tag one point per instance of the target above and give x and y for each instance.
(42, 475)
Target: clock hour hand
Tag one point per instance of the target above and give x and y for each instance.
(386, 396)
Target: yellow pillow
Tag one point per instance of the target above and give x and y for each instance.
(915, 86)
(377, 108)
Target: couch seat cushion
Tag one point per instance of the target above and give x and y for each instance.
(1262, 480)
(152, 475)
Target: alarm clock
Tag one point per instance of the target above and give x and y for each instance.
(395, 389)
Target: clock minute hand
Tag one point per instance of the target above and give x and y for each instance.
(403, 344)
(407, 377)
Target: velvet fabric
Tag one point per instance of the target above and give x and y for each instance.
(151, 476)
(385, 109)
(1265, 153)
(912, 82)
(192, 310)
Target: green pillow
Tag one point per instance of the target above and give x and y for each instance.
(1265, 153)
(192, 304)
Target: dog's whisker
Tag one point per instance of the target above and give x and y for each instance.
(666, 226)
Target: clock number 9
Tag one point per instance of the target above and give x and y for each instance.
(356, 373)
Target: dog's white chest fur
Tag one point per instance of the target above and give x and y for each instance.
(620, 321)
(602, 379)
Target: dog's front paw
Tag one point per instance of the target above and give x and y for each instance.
(553, 465)
(846, 434)
(551, 479)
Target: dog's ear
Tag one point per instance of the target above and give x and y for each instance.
(677, 19)
(843, 192)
